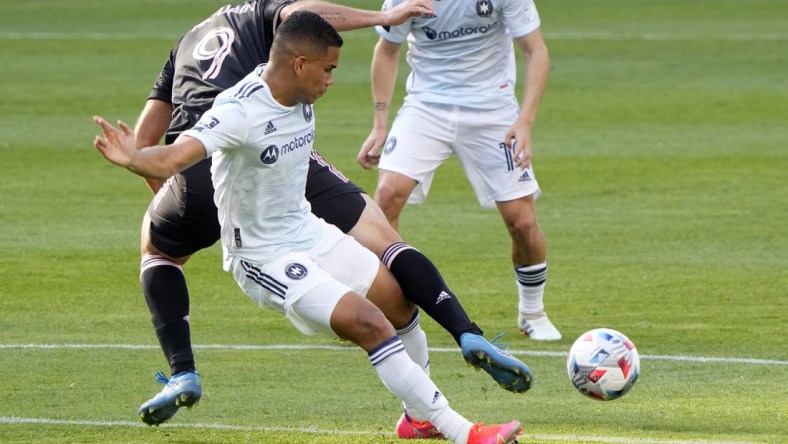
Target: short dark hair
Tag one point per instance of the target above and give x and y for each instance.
(310, 28)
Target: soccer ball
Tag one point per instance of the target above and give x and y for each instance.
(603, 364)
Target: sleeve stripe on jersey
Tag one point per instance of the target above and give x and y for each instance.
(247, 90)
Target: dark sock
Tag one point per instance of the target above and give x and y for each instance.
(423, 284)
(164, 287)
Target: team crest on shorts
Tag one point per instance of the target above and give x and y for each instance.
(390, 145)
(295, 271)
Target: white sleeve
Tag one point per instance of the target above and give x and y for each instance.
(222, 127)
(394, 34)
(521, 17)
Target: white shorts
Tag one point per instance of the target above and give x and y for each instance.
(424, 135)
(306, 285)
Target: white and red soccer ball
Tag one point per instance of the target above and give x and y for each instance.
(603, 364)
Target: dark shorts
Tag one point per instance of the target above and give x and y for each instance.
(184, 217)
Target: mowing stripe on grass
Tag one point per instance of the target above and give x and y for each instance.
(560, 354)
(317, 431)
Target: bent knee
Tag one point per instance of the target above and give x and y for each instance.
(365, 327)
(393, 189)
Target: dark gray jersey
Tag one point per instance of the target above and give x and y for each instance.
(213, 56)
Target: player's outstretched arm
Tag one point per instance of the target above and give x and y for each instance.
(118, 145)
(345, 18)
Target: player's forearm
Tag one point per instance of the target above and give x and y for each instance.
(383, 71)
(164, 161)
(152, 162)
(153, 122)
(150, 128)
(343, 18)
(536, 71)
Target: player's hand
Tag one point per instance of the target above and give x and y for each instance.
(519, 141)
(117, 145)
(411, 8)
(369, 155)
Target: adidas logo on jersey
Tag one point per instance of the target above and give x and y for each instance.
(270, 128)
(442, 297)
(525, 177)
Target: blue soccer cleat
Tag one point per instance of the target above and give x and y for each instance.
(506, 370)
(182, 390)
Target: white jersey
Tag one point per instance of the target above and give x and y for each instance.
(260, 153)
(464, 54)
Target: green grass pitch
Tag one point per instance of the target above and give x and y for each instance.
(661, 146)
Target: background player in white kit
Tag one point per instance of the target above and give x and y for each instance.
(461, 100)
(260, 135)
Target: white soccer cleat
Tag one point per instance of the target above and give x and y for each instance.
(538, 329)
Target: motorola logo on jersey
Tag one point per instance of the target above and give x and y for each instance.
(308, 112)
(295, 271)
(203, 126)
(270, 155)
(459, 32)
(484, 8)
(431, 34)
(390, 145)
(298, 142)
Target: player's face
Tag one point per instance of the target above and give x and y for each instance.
(319, 75)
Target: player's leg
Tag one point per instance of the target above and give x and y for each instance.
(357, 319)
(338, 201)
(341, 203)
(180, 221)
(497, 182)
(423, 283)
(333, 252)
(167, 297)
(420, 280)
(530, 263)
(391, 194)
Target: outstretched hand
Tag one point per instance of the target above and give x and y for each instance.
(117, 145)
(411, 8)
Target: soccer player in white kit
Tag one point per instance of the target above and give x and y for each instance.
(260, 134)
(461, 100)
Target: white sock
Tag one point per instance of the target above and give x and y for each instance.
(530, 287)
(415, 341)
(409, 383)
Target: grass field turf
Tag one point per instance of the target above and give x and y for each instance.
(661, 147)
